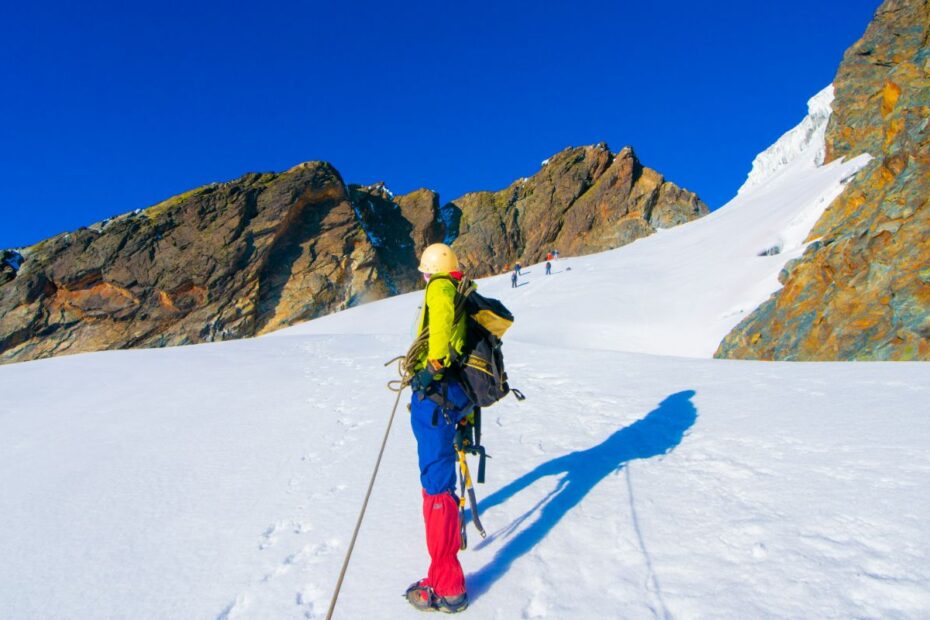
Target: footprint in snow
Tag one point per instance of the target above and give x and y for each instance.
(270, 536)
(234, 609)
(351, 425)
(311, 598)
(288, 576)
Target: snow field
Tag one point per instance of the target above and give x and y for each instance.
(755, 490)
(223, 481)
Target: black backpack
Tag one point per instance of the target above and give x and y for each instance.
(480, 365)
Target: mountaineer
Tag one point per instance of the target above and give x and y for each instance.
(437, 406)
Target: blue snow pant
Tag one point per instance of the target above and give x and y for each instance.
(434, 428)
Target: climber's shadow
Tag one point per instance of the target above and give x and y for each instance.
(658, 433)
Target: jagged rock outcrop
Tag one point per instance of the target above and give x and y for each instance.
(10, 261)
(223, 261)
(390, 234)
(863, 290)
(421, 209)
(242, 258)
(583, 200)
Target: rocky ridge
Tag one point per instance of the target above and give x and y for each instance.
(583, 200)
(238, 259)
(862, 289)
(222, 261)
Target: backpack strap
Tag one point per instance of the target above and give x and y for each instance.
(463, 288)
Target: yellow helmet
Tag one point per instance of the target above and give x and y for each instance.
(438, 258)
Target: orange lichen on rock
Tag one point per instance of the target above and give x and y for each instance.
(890, 94)
(892, 129)
(164, 299)
(99, 299)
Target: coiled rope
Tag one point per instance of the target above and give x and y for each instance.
(420, 347)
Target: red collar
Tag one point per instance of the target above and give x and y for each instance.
(455, 275)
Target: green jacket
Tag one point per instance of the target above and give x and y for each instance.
(444, 337)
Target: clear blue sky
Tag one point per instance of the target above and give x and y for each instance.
(108, 107)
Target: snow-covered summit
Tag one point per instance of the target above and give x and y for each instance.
(806, 140)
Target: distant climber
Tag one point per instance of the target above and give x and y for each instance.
(513, 280)
(548, 268)
(516, 269)
(438, 404)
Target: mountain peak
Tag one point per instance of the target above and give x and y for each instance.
(584, 199)
(804, 141)
(240, 258)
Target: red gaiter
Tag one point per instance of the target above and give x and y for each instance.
(441, 514)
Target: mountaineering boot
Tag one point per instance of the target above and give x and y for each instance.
(451, 604)
(420, 595)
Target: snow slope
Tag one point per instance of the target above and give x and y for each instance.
(223, 480)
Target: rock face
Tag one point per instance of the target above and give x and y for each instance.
(242, 258)
(583, 200)
(223, 261)
(862, 292)
(10, 262)
(421, 209)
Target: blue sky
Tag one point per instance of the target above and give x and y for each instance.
(109, 107)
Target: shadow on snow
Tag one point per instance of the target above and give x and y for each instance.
(654, 435)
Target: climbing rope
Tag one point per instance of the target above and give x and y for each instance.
(404, 380)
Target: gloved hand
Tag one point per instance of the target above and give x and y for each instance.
(464, 432)
(422, 379)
